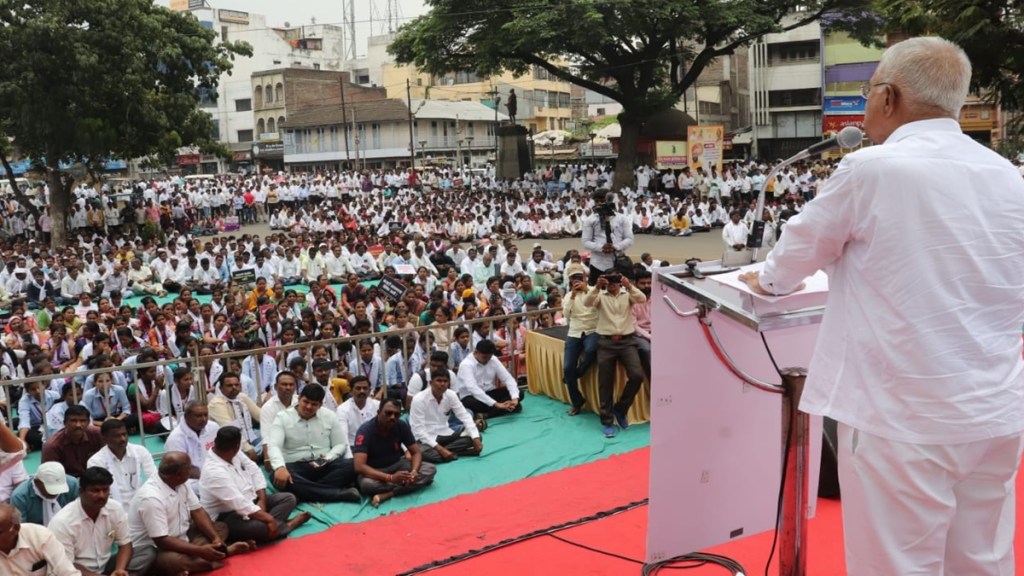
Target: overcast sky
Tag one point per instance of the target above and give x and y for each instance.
(369, 13)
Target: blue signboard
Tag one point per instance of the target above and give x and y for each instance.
(840, 105)
(19, 168)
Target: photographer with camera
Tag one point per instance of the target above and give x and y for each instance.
(613, 296)
(607, 234)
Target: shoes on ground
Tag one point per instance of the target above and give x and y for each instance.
(609, 431)
(621, 420)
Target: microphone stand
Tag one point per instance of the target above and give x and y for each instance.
(756, 237)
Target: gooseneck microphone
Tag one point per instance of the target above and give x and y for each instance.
(846, 138)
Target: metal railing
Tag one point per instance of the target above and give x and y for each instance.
(194, 361)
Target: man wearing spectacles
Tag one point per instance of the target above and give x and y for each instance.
(919, 357)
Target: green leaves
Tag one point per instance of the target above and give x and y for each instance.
(102, 78)
(641, 53)
(990, 31)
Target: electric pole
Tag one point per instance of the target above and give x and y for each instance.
(412, 144)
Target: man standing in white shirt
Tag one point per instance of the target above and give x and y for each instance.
(234, 491)
(439, 440)
(919, 355)
(734, 234)
(130, 465)
(89, 526)
(485, 385)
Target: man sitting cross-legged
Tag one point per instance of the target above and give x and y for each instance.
(309, 451)
(440, 440)
(384, 471)
(170, 530)
(89, 527)
(233, 490)
(485, 386)
(129, 464)
(358, 409)
(232, 407)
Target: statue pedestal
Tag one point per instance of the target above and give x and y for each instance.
(514, 157)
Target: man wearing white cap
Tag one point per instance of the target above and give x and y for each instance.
(39, 499)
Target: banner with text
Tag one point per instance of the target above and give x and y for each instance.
(706, 146)
(833, 124)
(670, 154)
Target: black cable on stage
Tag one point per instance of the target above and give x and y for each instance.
(785, 463)
(529, 536)
(689, 561)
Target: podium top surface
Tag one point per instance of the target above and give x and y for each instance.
(722, 293)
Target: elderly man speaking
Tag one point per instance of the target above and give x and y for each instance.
(919, 354)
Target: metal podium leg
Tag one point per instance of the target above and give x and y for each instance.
(795, 477)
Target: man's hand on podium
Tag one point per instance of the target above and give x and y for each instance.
(752, 280)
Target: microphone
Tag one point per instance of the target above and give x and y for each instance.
(846, 138)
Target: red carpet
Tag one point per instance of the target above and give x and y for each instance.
(399, 543)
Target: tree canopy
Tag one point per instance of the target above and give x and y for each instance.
(991, 32)
(89, 80)
(642, 54)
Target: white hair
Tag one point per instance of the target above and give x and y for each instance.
(930, 72)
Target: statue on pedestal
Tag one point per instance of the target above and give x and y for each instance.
(511, 105)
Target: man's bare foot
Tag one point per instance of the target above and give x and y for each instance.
(299, 519)
(241, 547)
(379, 499)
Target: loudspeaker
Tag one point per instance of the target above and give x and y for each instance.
(828, 479)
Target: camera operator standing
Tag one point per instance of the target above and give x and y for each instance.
(607, 234)
(612, 296)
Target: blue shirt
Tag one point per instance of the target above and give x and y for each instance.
(116, 402)
(29, 405)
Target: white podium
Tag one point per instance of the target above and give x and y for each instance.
(719, 417)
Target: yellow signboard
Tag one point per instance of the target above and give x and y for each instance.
(670, 154)
(706, 146)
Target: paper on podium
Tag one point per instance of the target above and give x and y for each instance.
(815, 284)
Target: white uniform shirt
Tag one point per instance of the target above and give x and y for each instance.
(230, 486)
(129, 473)
(353, 416)
(37, 544)
(269, 410)
(429, 418)
(476, 379)
(185, 439)
(923, 240)
(87, 542)
(159, 510)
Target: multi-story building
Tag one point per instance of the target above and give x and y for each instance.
(785, 88)
(543, 101)
(455, 134)
(278, 93)
(312, 47)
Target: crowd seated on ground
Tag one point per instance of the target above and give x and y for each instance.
(424, 259)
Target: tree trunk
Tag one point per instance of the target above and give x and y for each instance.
(18, 195)
(628, 141)
(59, 202)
